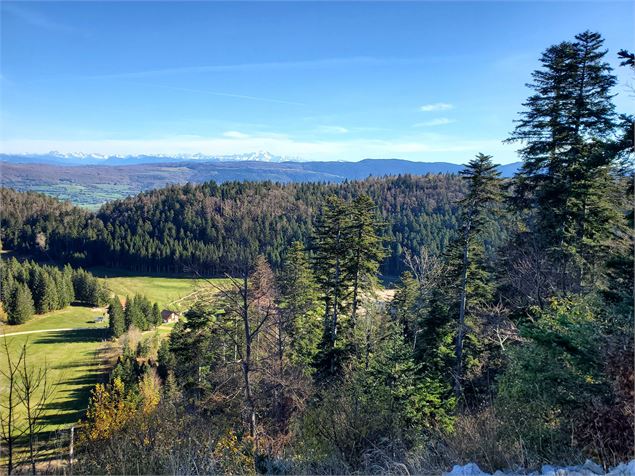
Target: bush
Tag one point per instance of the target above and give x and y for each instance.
(553, 380)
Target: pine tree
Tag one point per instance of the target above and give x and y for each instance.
(405, 305)
(68, 291)
(365, 248)
(116, 320)
(21, 307)
(330, 259)
(417, 400)
(129, 311)
(299, 305)
(43, 290)
(567, 130)
(484, 190)
(156, 315)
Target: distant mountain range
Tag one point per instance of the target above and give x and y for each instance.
(79, 158)
(87, 183)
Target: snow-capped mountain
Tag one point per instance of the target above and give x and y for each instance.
(82, 158)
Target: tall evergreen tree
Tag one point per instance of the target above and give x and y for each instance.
(567, 130)
(21, 307)
(299, 305)
(365, 248)
(330, 258)
(116, 320)
(484, 190)
(156, 319)
(129, 312)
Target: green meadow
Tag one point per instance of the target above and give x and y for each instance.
(76, 359)
(174, 292)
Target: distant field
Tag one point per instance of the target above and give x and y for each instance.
(172, 292)
(76, 359)
(73, 316)
(91, 197)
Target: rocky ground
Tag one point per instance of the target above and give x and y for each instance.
(589, 468)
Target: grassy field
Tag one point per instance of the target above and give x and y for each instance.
(88, 197)
(76, 359)
(168, 291)
(73, 316)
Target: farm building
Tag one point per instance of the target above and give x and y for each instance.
(168, 316)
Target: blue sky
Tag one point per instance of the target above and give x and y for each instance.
(431, 81)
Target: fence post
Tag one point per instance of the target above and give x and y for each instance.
(70, 450)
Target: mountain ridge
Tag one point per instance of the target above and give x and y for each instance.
(93, 184)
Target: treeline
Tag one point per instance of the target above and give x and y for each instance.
(139, 312)
(512, 358)
(28, 288)
(209, 228)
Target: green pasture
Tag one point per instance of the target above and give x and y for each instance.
(173, 292)
(75, 359)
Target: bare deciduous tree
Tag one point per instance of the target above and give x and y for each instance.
(34, 392)
(10, 403)
(249, 311)
(426, 269)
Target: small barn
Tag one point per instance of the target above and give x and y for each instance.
(168, 316)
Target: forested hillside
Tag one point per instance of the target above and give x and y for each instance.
(210, 228)
(93, 184)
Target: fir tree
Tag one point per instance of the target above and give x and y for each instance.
(116, 320)
(567, 130)
(330, 258)
(299, 305)
(365, 248)
(156, 319)
(484, 190)
(21, 307)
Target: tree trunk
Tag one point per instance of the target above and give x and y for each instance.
(462, 304)
(356, 279)
(247, 363)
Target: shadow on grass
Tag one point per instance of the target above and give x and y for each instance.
(71, 403)
(74, 336)
(73, 393)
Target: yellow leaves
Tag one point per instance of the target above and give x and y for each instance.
(235, 456)
(111, 407)
(150, 391)
(109, 410)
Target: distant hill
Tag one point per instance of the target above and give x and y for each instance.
(93, 184)
(61, 158)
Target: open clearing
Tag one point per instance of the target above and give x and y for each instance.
(70, 317)
(76, 348)
(76, 359)
(168, 291)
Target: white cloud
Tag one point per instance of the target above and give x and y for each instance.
(235, 135)
(437, 106)
(441, 121)
(332, 129)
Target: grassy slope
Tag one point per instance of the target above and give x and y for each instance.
(167, 291)
(75, 358)
(74, 316)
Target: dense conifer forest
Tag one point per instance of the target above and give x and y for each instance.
(208, 228)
